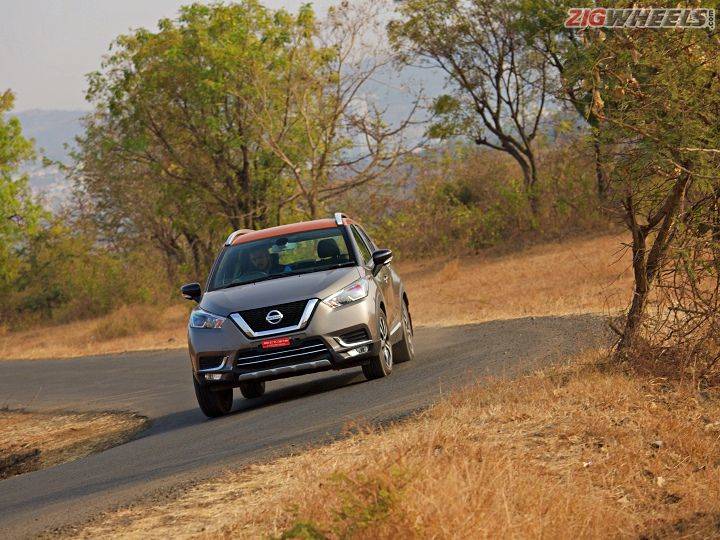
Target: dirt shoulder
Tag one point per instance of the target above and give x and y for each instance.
(591, 275)
(131, 328)
(30, 441)
(584, 450)
(578, 276)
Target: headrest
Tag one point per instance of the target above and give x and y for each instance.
(327, 247)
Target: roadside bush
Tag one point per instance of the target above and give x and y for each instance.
(69, 275)
(461, 198)
(128, 321)
(680, 332)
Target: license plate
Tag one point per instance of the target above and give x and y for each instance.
(276, 342)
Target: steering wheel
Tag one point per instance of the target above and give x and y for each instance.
(254, 274)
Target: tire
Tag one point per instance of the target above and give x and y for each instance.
(252, 389)
(213, 403)
(381, 365)
(405, 348)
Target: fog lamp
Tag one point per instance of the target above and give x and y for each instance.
(358, 350)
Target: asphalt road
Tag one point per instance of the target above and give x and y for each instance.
(182, 445)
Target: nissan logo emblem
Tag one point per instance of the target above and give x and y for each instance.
(274, 316)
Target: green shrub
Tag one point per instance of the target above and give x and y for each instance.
(69, 275)
(461, 199)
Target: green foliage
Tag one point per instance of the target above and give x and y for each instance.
(52, 267)
(173, 153)
(500, 85)
(366, 500)
(466, 40)
(657, 97)
(541, 24)
(303, 530)
(230, 116)
(464, 199)
(450, 119)
(20, 215)
(68, 275)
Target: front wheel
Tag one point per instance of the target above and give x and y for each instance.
(213, 403)
(381, 365)
(252, 389)
(405, 348)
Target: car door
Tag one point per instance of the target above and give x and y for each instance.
(385, 278)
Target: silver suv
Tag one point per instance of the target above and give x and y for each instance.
(291, 300)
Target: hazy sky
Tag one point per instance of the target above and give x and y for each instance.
(47, 46)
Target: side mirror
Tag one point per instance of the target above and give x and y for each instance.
(380, 258)
(191, 291)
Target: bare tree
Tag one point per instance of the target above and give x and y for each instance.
(500, 85)
(332, 134)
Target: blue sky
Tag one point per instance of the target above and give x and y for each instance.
(47, 46)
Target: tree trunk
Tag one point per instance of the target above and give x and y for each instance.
(600, 177)
(526, 159)
(640, 294)
(529, 171)
(647, 264)
(312, 206)
(531, 187)
(196, 252)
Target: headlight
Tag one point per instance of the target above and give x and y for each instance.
(357, 290)
(199, 318)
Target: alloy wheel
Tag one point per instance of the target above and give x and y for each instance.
(386, 352)
(408, 329)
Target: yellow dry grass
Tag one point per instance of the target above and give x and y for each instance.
(583, 451)
(130, 328)
(34, 440)
(591, 275)
(577, 276)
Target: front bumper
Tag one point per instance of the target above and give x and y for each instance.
(226, 357)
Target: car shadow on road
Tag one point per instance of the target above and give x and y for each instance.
(297, 391)
(188, 417)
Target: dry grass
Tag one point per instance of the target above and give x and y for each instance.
(580, 451)
(130, 328)
(578, 276)
(34, 440)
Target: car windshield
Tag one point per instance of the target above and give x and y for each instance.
(292, 254)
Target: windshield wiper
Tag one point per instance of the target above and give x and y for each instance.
(258, 280)
(321, 269)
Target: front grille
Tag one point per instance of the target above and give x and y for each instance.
(300, 352)
(292, 312)
(209, 362)
(355, 336)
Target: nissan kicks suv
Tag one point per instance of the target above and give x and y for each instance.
(292, 300)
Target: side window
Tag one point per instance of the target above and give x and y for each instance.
(364, 250)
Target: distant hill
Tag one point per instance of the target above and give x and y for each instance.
(51, 130)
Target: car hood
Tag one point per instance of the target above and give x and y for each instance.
(278, 291)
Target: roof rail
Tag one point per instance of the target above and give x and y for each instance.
(339, 217)
(235, 234)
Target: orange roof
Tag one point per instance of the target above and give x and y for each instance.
(291, 228)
